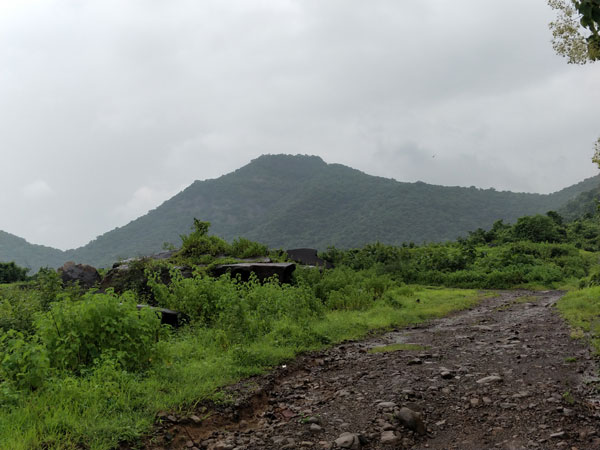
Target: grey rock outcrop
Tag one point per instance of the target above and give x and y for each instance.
(86, 276)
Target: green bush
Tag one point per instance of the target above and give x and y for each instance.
(18, 307)
(77, 334)
(10, 273)
(198, 243)
(245, 248)
(202, 298)
(24, 362)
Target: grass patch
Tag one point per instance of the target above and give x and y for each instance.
(581, 309)
(397, 347)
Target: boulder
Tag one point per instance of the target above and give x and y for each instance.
(87, 276)
(262, 270)
(307, 257)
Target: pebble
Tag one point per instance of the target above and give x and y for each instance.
(490, 379)
(389, 437)
(386, 405)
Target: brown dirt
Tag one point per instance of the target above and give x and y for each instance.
(547, 395)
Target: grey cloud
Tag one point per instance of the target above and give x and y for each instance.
(117, 104)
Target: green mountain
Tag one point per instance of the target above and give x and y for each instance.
(585, 203)
(14, 248)
(300, 201)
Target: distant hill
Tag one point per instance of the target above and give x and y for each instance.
(295, 201)
(585, 203)
(14, 248)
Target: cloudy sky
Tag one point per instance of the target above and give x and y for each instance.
(110, 107)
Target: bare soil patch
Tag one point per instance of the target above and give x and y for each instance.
(505, 374)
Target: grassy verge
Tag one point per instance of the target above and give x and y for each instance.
(106, 404)
(582, 310)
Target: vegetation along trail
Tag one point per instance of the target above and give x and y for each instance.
(504, 374)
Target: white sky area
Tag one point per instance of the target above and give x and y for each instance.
(110, 107)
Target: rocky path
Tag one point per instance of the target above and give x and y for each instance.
(504, 374)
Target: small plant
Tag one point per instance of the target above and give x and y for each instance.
(568, 397)
(570, 359)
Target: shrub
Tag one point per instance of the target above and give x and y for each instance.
(245, 248)
(24, 363)
(18, 307)
(198, 243)
(10, 273)
(202, 298)
(537, 228)
(77, 334)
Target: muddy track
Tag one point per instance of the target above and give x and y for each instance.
(504, 374)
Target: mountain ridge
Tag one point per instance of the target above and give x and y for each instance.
(300, 200)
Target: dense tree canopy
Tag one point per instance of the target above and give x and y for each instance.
(10, 272)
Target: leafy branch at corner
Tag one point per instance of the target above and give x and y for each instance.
(575, 32)
(576, 36)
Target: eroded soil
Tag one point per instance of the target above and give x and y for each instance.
(505, 374)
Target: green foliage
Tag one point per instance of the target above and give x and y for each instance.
(49, 285)
(24, 363)
(538, 228)
(201, 297)
(503, 257)
(241, 311)
(198, 243)
(245, 248)
(18, 306)
(576, 30)
(77, 334)
(582, 310)
(10, 272)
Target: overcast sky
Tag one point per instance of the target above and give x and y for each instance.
(110, 107)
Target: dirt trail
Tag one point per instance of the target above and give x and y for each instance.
(504, 374)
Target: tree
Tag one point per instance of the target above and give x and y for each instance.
(576, 31)
(536, 228)
(596, 157)
(576, 35)
(10, 272)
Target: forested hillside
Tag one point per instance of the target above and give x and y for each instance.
(294, 201)
(32, 256)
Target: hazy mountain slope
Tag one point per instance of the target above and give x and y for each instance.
(584, 203)
(293, 201)
(14, 248)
